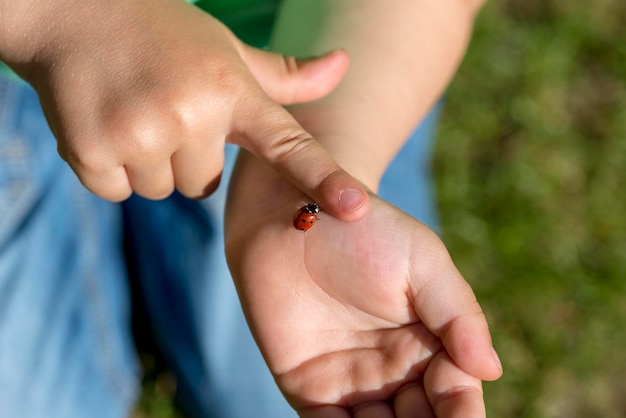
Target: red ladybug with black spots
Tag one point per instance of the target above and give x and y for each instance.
(306, 217)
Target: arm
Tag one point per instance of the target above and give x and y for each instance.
(142, 95)
(368, 318)
(402, 56)
(355, 319)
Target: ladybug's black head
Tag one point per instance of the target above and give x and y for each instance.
(312, 208)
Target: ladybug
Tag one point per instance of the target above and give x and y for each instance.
(306, 217)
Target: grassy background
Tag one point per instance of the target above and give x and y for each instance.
(531, 180)
(531, 174)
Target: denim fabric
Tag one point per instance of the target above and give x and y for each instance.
(65, 344)
(178, 245)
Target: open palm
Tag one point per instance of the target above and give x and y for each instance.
(363, 318)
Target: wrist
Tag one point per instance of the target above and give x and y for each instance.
(355, 140)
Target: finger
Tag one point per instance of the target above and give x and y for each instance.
(198, 167)
(468, 342)
(373, 410)
(152, 180)
(448, 307)
(324, 412)
(103, 178)
(112, 184)
(452, 392)
(411, 401)
(290, 80)
(277, 138)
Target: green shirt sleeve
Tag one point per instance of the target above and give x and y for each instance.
(250, 20)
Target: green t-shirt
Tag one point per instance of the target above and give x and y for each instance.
(250, 20)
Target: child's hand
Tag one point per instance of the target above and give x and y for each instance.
(142, 96)
(367, 318)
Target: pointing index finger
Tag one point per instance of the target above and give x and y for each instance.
(276, 137)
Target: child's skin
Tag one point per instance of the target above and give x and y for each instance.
(367, 318)
(143, 95)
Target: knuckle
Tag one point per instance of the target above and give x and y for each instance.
(183, 115)
(154, 126)
(282, 138)
(145, 133)
(291, 149)
(146, 144)
(85, 156)
(289, 143)
(294, 152)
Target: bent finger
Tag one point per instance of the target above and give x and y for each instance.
(374, 410)
(153, 181)
(112, 184)
(411, 401)
(198, 168)
(452, 392)
(448, 307)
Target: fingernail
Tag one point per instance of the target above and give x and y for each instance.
(496, 358)
(350, 199)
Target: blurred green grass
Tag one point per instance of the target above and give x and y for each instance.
(530, 167)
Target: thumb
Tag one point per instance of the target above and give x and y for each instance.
(276, 137)
(290, 80)
(448, 307)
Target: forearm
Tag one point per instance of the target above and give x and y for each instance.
(402, 56)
